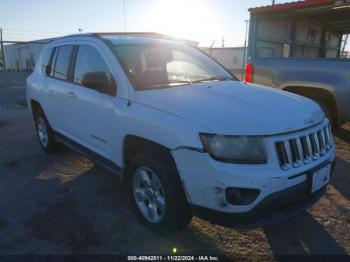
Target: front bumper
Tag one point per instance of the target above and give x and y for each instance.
(274, 208)
(205, 182)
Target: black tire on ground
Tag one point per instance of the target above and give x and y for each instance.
(49, 144)
(177, 213)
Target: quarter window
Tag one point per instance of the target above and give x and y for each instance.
(88, 60)
(45, 61)
(63, 59)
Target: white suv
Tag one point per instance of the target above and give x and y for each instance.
(185, 135)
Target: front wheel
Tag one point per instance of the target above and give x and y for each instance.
(157, 194)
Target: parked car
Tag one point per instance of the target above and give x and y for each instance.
(183, 133)
(293, 49)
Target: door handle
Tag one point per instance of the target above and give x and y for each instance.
(71, 94)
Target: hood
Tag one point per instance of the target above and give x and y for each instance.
(235, 108)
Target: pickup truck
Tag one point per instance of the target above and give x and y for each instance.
(326, 81)
(292, 49)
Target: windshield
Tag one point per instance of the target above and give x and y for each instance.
(154, 66)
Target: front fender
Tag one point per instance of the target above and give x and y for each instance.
(160, 127)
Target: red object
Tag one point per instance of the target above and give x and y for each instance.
(285, 6)
(249, 73)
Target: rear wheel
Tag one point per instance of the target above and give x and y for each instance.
(157, 194)
(44, 132)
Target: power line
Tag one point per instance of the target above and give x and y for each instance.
(33, 31)
(28, 35)
(23, 35)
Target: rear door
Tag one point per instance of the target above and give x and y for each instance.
(61, 97)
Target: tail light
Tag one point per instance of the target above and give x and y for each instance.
(249, 73)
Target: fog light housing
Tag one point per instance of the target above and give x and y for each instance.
(241, 196)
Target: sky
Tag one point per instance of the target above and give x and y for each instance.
(200, 20)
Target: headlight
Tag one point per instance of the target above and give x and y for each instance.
(235, 149)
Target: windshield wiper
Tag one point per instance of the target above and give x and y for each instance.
(188, 82)
(180, 82)
(214, 78)
(171, 83)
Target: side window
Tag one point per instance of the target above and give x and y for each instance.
(62, 61)
(46, 61)
(88, 61)
(53, 61)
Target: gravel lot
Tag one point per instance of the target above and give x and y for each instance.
(63, 204)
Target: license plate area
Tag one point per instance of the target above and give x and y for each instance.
(320, 178)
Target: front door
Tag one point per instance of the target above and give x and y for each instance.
(94, 115)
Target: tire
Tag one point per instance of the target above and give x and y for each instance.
(44, 132)
(157, 194)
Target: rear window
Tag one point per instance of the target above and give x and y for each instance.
(62, 63)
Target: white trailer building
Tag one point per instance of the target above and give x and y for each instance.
(229, 57)
(22, 56)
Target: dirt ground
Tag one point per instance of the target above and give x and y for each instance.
(63, 204)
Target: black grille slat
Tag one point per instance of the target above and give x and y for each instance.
(294, 149)
(282, 154)
(321, 141)
(313, 146)
(305, 148)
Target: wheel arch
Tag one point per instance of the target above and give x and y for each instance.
(35, 106)
(133, 145)
(323, 95)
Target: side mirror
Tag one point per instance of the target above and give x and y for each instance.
(100, 81)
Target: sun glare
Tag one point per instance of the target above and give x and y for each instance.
(189, 19)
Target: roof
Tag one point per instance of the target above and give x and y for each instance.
(122, 36)
(291, 5)
(135, 40)
(128, 37)
(334, 14)
(148, 35)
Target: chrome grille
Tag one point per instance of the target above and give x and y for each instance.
(296, 151)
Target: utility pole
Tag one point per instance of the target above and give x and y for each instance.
(273, 2)
(124, 14)
(2, 51)
(223, 41)
(245, 46)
